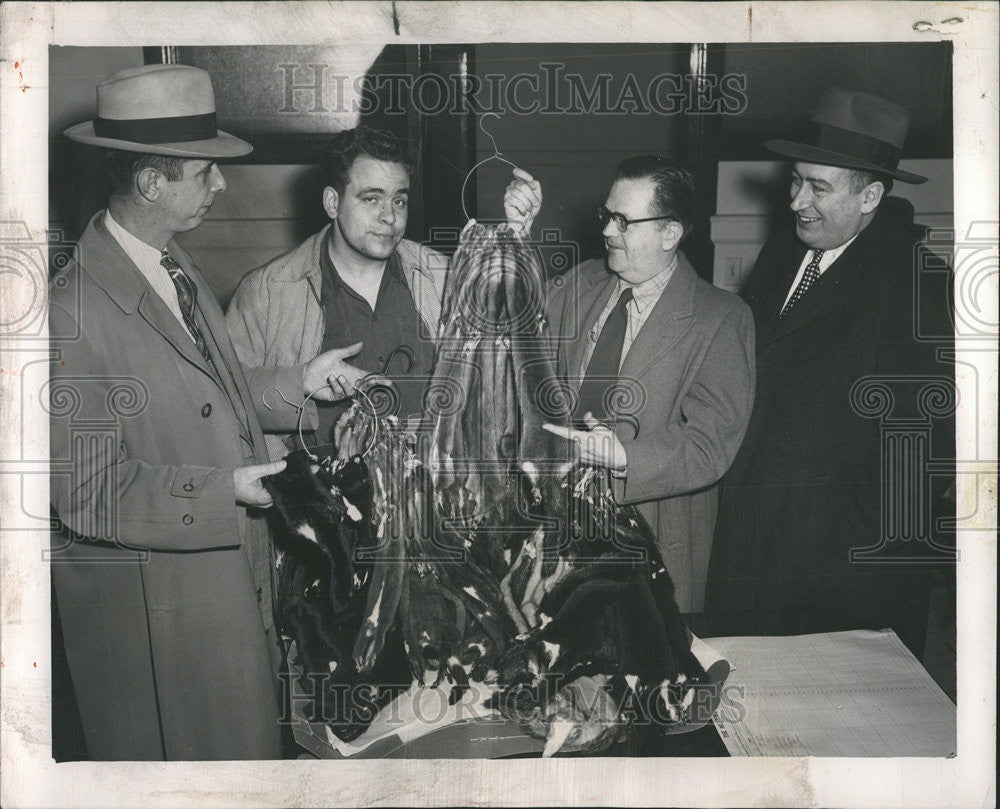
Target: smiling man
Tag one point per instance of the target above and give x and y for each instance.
(659, 363)
(833, 302)
(357, 286)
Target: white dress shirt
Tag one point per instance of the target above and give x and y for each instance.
(644, 298)
(829, 257)
(147, 259)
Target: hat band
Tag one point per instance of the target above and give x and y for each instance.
(853, 144)
(179, 129)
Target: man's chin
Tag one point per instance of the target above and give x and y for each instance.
(380, 249)
(806, 235)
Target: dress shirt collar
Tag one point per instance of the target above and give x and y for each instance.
(648, 292)
(831, 256)
(143, 255)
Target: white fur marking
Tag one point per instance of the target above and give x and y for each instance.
(307, 531)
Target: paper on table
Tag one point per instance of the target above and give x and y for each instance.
(417, 712)
(855, 693)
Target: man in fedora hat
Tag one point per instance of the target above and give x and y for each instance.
(833, 303)
(162, 563)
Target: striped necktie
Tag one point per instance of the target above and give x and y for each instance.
(187, 296)
(809, 277)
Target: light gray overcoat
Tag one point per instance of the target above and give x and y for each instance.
(164, 584)
(688, 383)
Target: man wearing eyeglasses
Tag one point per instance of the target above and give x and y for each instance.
(660, 364)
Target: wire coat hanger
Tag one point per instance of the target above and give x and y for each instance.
(301, 408)
(497, 155)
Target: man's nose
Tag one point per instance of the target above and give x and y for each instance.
(611, 230)
(387, 213)
(801, 199)
(218, 181)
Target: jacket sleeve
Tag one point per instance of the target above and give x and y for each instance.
(246, 318)
(715, 411)
(98, 491)
(246, 321)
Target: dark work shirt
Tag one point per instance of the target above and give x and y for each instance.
(395, 322)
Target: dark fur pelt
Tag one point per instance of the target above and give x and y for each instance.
(606, 642)
(322, 524)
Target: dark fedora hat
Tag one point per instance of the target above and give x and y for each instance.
(162, 110)
(853, 130)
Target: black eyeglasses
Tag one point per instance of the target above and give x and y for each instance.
(621, 221)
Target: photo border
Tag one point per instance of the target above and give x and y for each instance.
(31, 778)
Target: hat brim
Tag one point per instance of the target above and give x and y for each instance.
(811, 154)
(222, 146)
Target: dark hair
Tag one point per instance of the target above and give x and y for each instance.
(122, 168)
(674, 192)
(861, 179)
(347, 146)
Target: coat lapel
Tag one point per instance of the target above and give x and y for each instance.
(111, 268)
(843, 280)
(211, 322)
(595, 291)
(672, 316)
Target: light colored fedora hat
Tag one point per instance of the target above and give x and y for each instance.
(159, 109)
(853, 130)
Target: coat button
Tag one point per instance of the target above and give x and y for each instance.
(206, 410)
(188, 487)
(260, 593)
(187, 519)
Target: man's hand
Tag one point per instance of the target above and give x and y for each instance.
(598, 445)
(343, 378)
(522, 201)
(246, 483)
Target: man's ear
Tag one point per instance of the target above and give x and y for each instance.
(147, 182)
(872, 196)
(331, 201)
(672, 235)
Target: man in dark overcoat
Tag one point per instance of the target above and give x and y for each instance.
(803, 543)
(161, 562)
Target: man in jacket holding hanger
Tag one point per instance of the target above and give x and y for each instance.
(161, 562)
(357, 286)
(659, 365)
(801, 544)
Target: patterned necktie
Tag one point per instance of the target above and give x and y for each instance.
(187, 295)
(602, 372)
(809, 277)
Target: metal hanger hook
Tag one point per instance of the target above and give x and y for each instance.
(497, 155)
(496, 149)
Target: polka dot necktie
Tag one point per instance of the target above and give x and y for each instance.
(187, 296)
(809, 277)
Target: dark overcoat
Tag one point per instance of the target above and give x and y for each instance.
(837, 378)
(685, 392)
(164, 584)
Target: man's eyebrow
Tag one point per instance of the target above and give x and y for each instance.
(814, 180)
(377, 190)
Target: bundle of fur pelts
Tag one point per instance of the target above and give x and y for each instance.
(324, 533)
(425, 580)
(602, 645)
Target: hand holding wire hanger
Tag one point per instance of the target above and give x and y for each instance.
(329, 377)
(522, 201)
